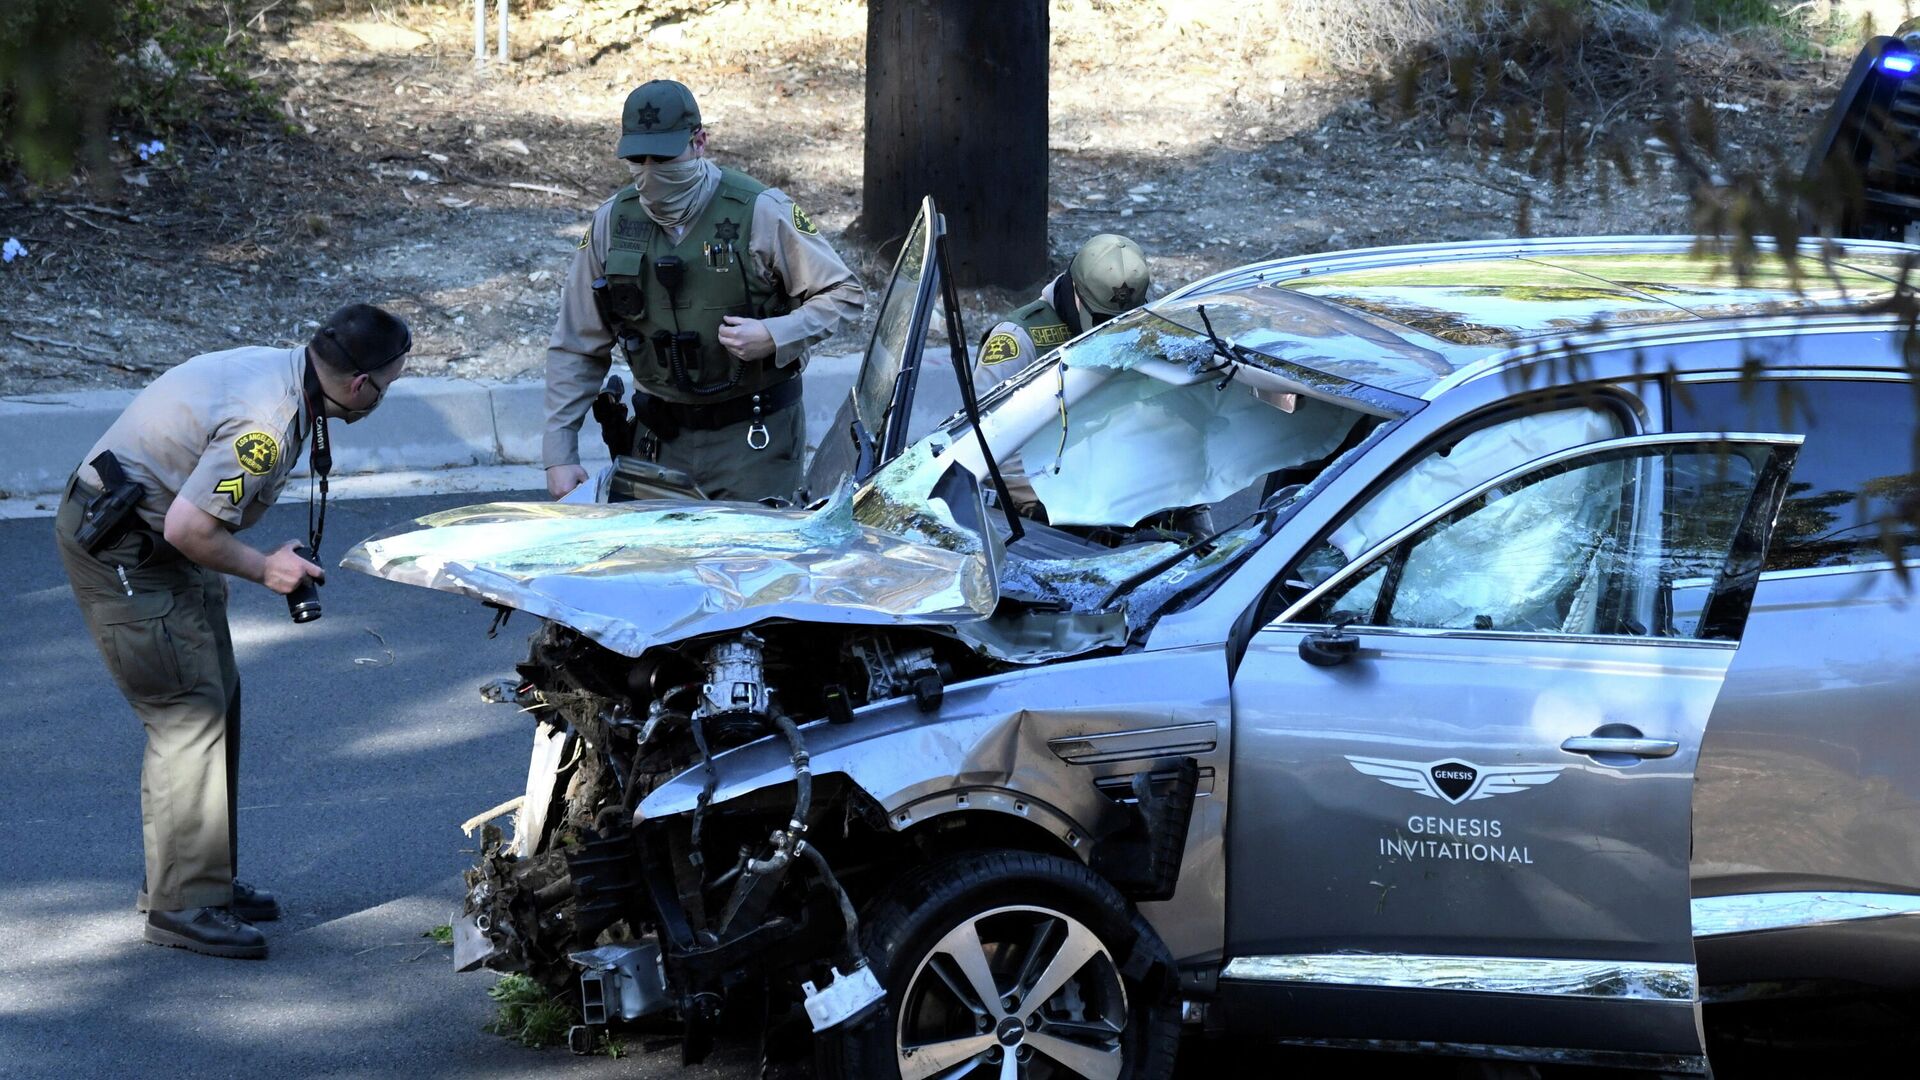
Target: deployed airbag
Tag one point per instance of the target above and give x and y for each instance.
(1136, 446)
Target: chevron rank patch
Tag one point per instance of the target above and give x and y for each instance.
(804, 223)
(233, 487)
(999, 349)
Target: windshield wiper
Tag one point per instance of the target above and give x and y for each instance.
(1220, 349)
(1270, 506)
(970, 402)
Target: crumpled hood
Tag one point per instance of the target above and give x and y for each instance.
(634, 575)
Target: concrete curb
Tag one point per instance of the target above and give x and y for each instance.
(424, 424)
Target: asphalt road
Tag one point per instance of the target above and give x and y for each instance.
(366, 745)
(360, 761)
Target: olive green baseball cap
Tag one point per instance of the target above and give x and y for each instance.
(658, 120)
(1110, 274)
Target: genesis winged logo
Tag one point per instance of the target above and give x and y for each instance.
(1454, 781)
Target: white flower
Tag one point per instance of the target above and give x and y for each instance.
(12, 249)
(150, 150)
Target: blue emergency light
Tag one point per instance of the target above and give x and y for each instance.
(1899, 63)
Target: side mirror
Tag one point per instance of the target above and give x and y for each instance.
(1330, 647)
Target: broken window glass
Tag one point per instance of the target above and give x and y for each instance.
(1446, 474)
(1592, 546)
(887, 350)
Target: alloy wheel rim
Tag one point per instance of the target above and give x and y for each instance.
(1014, 993)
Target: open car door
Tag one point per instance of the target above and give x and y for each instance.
(1463, 764)
(871, 427)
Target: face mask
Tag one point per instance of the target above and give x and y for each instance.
(672, 192)
(350, 414)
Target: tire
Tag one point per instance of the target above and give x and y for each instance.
(1017, 912)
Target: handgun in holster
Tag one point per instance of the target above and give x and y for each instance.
(109, 514)
(616, 427)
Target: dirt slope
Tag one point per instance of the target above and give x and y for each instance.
(455, 193)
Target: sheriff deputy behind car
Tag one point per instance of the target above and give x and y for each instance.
(715, 286)
(1108, 276)
(146, 531)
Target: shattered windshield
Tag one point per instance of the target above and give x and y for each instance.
(1153, 421)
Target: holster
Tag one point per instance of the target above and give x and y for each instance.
(616, 426)
(654, 415)
(110, 514)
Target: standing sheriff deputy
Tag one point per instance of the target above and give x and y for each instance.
(1108, 276)
(146, 533)
(715, 286)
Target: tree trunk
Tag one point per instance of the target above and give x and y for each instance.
(957, 109)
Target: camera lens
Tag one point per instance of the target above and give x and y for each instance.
(303, 603)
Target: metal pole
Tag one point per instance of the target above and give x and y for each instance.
(503, 31)
(480, 31)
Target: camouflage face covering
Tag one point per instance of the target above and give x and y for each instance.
(674, 192)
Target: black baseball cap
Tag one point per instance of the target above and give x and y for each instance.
(658, 121)
(361, 337)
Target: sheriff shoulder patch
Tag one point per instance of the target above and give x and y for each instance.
(1046, 337)
(258, 452)
(804, 223)
(999, 349)
(233, 487)
(585, 238)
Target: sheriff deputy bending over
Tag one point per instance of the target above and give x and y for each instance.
(146, 535)
(715, 286)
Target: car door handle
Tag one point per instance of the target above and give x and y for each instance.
(1602, 744)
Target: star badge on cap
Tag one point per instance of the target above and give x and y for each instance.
(647, 117)
(1122, 294)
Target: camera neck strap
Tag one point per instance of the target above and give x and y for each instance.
(319, 460)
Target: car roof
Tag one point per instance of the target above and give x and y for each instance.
(1459, 307)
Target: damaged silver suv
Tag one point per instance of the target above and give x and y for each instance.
(1434, 646)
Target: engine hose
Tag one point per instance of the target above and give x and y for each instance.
(600, 817)
(554, 893)
(628, 793)
(707, 787)
(785, 841)
(847, 914)
(802, 772)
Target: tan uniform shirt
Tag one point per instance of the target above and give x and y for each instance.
(825, 294)
(222, 429)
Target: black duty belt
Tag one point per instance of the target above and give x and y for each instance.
(743, 409)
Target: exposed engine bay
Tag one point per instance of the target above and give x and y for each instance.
(745, 890)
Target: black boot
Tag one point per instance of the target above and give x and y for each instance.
(210, 930)
(254, 905)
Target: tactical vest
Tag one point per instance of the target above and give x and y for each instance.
(1051, 320)
(717, 279)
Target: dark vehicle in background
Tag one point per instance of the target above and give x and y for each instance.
(1546, 670)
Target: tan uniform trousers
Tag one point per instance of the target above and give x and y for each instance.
(726, 467)
(170, 652)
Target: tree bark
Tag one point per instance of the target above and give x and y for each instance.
(957, 109)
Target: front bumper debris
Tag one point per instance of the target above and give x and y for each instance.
(846, 997)
(621, 982)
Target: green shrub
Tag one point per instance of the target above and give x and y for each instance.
(528, 1014)
(73, 70)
